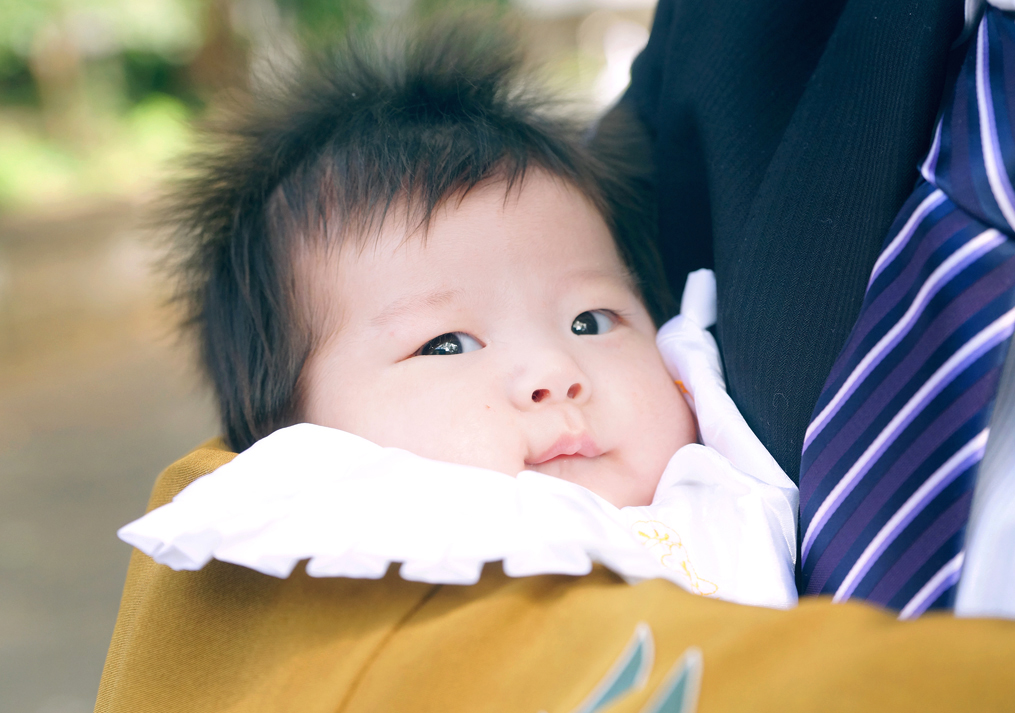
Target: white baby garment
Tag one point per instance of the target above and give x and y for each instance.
(722, 523)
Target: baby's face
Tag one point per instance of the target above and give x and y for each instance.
(510, 338)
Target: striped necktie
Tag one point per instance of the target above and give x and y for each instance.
(892, 450)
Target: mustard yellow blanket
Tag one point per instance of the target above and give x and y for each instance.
(229, 639)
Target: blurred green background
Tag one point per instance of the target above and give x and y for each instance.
(95, 95)
(98, 392)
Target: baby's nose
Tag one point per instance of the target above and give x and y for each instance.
(547, 373)
(553, 378)
(573, 392)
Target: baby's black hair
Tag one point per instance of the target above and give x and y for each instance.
(328, 152)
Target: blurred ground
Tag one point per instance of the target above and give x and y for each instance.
(96, 397)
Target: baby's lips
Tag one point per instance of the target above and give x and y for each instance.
(568, 444)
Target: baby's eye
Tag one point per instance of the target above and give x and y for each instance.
(450, 343)
(595, 322)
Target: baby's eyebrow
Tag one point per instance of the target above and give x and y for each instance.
(622, 274)
(413, 304)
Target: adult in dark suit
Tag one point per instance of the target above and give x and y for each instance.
(785, 136)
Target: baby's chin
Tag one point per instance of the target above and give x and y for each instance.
(604, 476)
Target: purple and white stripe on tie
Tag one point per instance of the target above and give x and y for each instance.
(929, 166)
(993, 161)
(956, 262)
(902, 238)
(969, 454)
(946, 577)
(972, 350)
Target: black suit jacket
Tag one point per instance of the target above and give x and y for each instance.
(785, 137)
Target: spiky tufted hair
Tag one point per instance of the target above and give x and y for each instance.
(325, 155)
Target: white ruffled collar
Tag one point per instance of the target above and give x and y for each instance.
(352, 508)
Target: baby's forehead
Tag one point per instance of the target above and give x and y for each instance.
(497, 235)
(536, 200)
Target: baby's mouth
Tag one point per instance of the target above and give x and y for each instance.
(569, 446)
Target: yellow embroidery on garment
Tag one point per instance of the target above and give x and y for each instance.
(681, 387)
(666, 544)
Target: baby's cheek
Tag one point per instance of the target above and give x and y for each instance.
(679, 414)
(457, 426)
(663, 414)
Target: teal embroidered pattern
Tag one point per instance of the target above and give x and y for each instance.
(678, 693)
(630, 671)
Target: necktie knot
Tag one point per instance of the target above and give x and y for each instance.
(972, 156)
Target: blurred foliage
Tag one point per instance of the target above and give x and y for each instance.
(127, 157)
(146, 72)
(428, 7)
(318, 21)
(16, 84)
(96, 95)
(103, 26)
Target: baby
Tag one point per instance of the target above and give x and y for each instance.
(414, 250)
